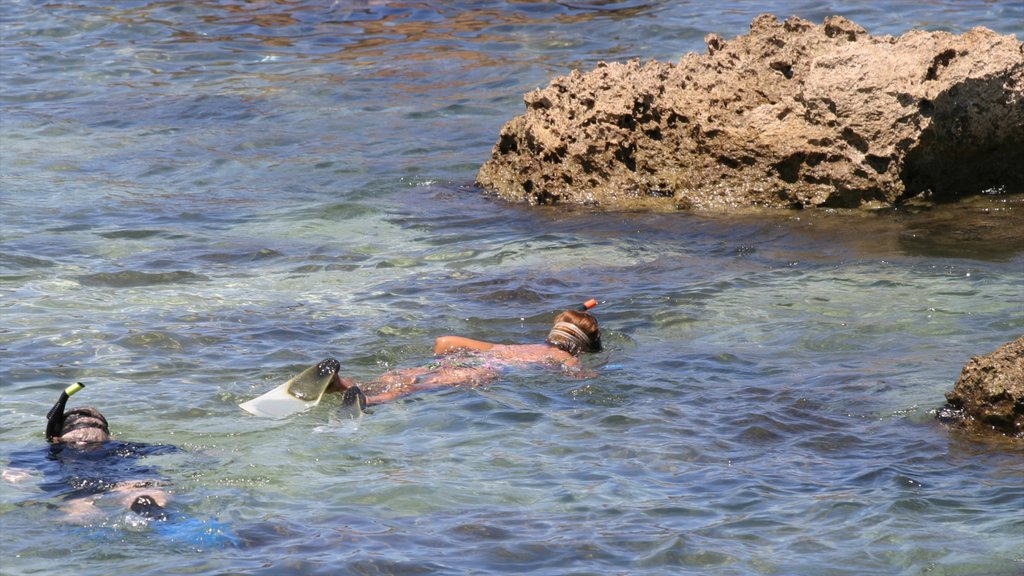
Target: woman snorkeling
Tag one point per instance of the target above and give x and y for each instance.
(463, 360)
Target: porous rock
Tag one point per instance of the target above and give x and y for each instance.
(990, 392)
(792, 114)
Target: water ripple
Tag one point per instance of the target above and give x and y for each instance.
(201, 199)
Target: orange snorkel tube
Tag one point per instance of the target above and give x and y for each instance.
(570, 331)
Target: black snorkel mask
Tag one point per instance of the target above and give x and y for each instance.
(55, 417)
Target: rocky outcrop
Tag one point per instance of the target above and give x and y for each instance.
(990, 392)
(790, 115)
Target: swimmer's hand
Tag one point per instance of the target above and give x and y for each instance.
(16, 475)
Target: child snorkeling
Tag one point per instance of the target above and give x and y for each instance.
(463, 360)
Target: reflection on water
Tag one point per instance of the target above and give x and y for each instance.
(199, 200)
(984, 227)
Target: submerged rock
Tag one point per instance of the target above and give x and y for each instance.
(792, 114)
(990, 391)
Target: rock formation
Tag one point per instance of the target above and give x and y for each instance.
(790, 115)
(990, 391)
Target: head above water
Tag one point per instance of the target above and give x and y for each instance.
(575, 332)
(84, 425)
(81, 425)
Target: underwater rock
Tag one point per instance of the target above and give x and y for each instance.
(792, 114)
(990, 392)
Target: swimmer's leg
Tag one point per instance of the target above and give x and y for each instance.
(385, 397)
(404, 382)
(339, 384)
(397, 383)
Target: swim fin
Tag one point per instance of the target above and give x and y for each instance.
(147, 507)
(296, 395)
(353, 403)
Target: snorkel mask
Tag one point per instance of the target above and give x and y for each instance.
(55, 417)
(574, 339)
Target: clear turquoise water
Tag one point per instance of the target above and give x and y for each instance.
(201, 199)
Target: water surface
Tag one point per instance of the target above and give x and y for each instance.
(201, 199)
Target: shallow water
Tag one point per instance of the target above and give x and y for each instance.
(201, 199)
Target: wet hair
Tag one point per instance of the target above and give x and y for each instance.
(84, 424)
(575, 332)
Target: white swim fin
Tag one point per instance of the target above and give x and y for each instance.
(296, 395)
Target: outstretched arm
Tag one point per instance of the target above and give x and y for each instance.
(446, 344)
(16, 475)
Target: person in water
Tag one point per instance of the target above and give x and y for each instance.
(84, 463)
(462, 360)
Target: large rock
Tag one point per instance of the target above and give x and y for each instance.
(990, 391)
(790, 115)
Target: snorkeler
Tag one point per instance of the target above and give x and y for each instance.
(462, 360)
(83, 463)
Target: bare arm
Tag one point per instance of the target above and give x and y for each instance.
(446, 344)
(16, 475)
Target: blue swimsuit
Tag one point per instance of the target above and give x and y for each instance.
(75, 471)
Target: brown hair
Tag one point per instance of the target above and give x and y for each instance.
(84, 424)
(564, 337)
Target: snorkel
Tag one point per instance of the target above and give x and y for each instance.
(587, 305)
(55, 417)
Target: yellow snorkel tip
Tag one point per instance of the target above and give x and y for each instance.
(55, 417)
